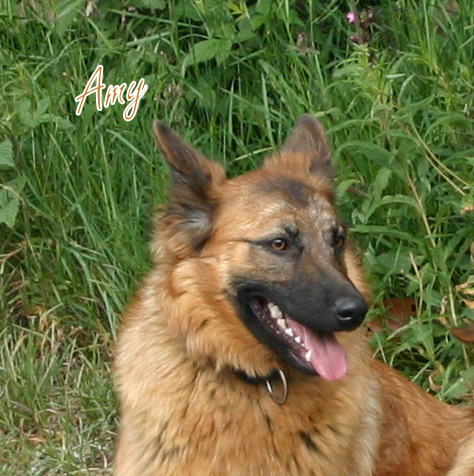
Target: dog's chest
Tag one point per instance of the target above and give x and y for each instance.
(222, 432)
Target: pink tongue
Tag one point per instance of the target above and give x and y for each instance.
(328, 357)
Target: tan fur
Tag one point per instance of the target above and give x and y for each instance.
(184, 411)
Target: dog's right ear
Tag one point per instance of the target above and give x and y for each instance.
(194, 186)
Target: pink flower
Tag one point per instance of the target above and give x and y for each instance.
(351, 17)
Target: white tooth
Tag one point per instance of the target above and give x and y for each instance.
(298, 339)
(289, 331)
(281, 323)
(308, 355)
(274, 311)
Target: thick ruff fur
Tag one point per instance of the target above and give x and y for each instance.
(197, 343)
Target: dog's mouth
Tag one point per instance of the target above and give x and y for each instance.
(313, 352)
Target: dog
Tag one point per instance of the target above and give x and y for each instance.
(243, 354)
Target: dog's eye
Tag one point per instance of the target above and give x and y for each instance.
(338, 237)
(279, 244)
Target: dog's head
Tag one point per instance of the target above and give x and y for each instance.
(259, 266)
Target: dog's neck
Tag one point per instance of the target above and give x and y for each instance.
(273, 377)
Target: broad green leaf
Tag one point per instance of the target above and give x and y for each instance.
(6, 154)
(381, 181)
(10, 200)
(373, 152)
(33, 118)
(66, 12)
(265, 6)
(11, 190)
(158, 4)
(467, 203)
(375, 230)
(218, 49)
(405, 199)
(9, 212)
(245, 30)
(17, 184)
(463, 386)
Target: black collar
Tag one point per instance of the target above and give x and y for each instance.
(273, 375)
(281, 396)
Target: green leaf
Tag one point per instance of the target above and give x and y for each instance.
(467, 203)
(373, 152)
(218, 49)
(245, 30)
(10, 200)
(17, 184)
(158, 4)
(11, 190)
(34, 118)
(264, 7)
(375, 230)
(9, 212)
(381, 181)
(234, 8)
(43, 105)
(345, 185)
(66, 12)
(6, 154)
(463, 386)
(398, 198)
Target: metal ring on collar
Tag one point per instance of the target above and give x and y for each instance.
(280, 399)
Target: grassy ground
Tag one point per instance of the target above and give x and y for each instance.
(394, 89)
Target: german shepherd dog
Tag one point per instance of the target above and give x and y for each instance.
(242, 354)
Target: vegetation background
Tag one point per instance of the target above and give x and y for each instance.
(393, 83)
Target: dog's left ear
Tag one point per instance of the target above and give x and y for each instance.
(306, 149)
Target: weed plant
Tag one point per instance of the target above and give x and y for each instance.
(77, 193)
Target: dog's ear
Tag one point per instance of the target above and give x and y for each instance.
(307, 149)
(193, 194)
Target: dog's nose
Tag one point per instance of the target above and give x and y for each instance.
(350, 311)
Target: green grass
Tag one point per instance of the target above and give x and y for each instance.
(78, 192)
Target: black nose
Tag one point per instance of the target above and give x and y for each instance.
(350, 311)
